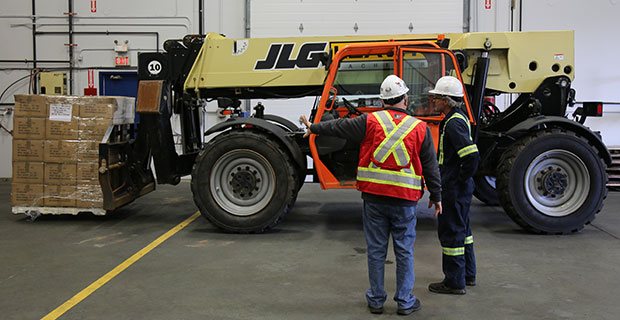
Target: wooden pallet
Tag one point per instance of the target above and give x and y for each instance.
(35, 212)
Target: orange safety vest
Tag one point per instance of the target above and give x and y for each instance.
(389, 162)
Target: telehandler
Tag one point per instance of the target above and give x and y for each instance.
(547, 171)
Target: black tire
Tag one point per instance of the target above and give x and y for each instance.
(536, 182)
(244, 182)
(290, 127)
(485, 190)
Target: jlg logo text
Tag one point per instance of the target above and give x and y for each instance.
(279, 56)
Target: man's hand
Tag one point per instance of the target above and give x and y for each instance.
(437, 207)
(304, 120)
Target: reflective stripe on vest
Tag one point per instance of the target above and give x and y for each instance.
(469, 240)
(394, 136)
(459, 251)
(392, 144)
(464, 151)
(405, 178)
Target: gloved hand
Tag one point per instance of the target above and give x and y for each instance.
(304, 120)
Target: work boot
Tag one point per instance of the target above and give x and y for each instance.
(373, 310)
(440, 287)
(470, 282)
(415, 307)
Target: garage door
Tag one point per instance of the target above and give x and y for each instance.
(332, 17)
(288, 18)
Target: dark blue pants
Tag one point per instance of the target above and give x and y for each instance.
(381, 220)
(458, 259)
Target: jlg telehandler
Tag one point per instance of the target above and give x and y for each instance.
(546, 170)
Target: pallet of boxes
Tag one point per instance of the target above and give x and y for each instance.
(56, 151)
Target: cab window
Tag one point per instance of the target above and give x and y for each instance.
(421, 70)
(359, 78)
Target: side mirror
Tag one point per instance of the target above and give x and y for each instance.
(461, 58)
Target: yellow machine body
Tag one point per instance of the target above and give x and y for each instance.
(520, 61)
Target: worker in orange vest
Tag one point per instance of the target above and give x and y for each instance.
(396, 151)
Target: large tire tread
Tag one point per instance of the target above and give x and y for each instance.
(262, 138)
(507, 162)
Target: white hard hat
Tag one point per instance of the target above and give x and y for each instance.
(448, 86)
(392, 87)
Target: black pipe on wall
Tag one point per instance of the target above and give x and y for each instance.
(114, 68)
(34, 42)
(201, 13)
(34, 62)
(71, 46)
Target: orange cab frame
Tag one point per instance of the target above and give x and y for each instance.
(397, 50)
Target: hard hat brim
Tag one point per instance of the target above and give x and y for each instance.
(394, 96)
(444, 94)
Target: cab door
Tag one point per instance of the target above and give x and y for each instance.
(352, 87)
(420, 68)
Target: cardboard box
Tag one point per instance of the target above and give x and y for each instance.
(61, 100)
(60, 173)
(28, 172)
(60, 151)
(61, 130)
(30, 106)
(93, 128)
(28, 128)
(26, 195)
(89, 196)
(62, 121)
(88, 151)
(97, 107)
(27, 150)
(88, 173)
(120, 109)
(60, 196)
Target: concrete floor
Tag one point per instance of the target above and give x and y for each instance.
(313, 266)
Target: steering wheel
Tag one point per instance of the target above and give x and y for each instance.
(352, 109)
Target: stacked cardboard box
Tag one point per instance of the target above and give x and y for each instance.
(56, 148)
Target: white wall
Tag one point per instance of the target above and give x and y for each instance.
(595, 23)
(276, 18)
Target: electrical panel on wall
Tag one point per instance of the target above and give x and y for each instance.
(53, 83)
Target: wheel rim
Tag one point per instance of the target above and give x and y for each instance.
(557, 183)
(242, 182)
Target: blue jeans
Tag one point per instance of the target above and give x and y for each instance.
(381, 220)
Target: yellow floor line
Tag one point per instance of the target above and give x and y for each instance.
(117, 270)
